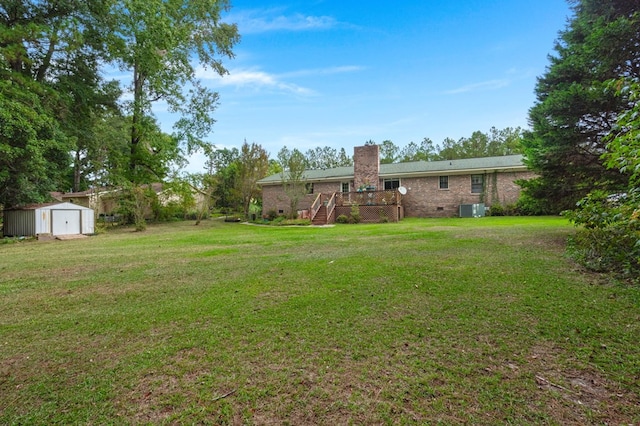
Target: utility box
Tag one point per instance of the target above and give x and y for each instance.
(472, 210)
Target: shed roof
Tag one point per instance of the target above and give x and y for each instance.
(416, 168)
(57, 205)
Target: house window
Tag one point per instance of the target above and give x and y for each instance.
(309, 187)
(444, 182)
(344, 186)
(391, 183)
(477, 184)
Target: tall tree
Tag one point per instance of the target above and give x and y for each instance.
(253, 165)
(44, 45)
(33, 149)
(507, 141)
(426, 151)
(344, 159)
(293, 165)
(223, 164)
(450, 150)
(495, 143)
(575, 108)
(388, 152)
(157, 41)
(327, 158)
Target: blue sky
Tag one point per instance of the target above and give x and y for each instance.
(339, 73)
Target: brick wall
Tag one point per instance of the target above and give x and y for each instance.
(274, 198)
(366, 166)
(425, 199)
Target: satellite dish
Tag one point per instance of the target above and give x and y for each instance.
(402, 190)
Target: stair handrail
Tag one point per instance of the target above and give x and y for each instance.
(331, 205)
(315, 207)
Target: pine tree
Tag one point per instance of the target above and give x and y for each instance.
(575, 107)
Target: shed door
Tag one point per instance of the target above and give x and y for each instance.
(65, 222)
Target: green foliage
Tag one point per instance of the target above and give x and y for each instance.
(295, 222)
(508, 210)
(496, 210)
(34, 153)
(343, 218)
(293, 165)
(354, 217)
(514, 210)
(575, 107)
(495, 143)
(383, 217)
(388, 152)
(278, 220)
(159, 43)
(426, 151)
(327, 158)
(610, 238)
(135, 203)
(223, 164)
(272, 214)
(532, 201)
(53, 52)
(624, 140)
(253, 165)
(287, 221)
(55, 107)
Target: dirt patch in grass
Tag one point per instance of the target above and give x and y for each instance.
(578, 396)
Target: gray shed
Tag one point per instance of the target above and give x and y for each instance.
(55, 219)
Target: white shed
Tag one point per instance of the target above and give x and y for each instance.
(55, 219)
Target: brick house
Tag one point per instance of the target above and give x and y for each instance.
(392, 191)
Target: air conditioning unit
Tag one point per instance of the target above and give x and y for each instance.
(472, 210)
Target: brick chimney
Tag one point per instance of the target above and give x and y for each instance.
(366, 166)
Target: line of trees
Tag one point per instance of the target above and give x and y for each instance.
(494, 143)
(63, 126)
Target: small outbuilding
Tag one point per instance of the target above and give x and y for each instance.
(54, 219)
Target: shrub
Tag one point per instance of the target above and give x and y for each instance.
(272, 214)
(609, 240)
(342, 219)
(383, 216)
(278, 220)
(497, 210)
(301, 222)
(511, 210)
(355, 214)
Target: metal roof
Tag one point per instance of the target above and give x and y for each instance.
(415, 168)
(56, 204)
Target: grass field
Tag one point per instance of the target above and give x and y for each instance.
(457, 321)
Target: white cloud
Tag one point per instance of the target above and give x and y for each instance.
(264, 20)
(324, 71)
(485, 85)
(253, 78)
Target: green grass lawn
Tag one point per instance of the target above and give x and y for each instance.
(458, 321)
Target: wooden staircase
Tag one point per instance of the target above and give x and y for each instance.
(321, 216)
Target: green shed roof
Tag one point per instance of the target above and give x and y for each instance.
(415, 168)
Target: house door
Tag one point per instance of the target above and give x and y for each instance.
(65, 222)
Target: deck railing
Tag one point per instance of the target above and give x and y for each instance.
(317, 203)
(331, 205)
(368, 198)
